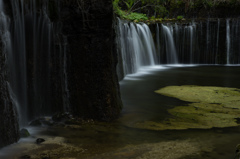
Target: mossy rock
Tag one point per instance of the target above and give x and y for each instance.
(24, 133)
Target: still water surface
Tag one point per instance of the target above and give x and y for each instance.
(118, 140)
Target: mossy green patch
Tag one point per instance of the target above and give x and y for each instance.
(210, 107)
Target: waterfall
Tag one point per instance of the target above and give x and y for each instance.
(29, 46)
(136, 46)
(178, 43)
(17, 61)
(217, 43)
(4, 30)
(5, 36)
(228, 40)
(232, 41)
(171, 54)
(158, 43)
(188, 43)
(65, 89)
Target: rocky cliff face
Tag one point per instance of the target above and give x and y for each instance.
(93, 83)
(82, 64)
(9, 130)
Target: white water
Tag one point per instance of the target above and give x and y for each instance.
(192, 43)
(217, 43)
(171, 52)
(158, 44)
(136, 46)
(228, 40)
(17, 62)
(29, 48)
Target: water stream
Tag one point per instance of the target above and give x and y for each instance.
(200, 42)
(30, 49)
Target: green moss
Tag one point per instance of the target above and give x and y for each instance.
(133, 16)
(209, 107)
(179, 17)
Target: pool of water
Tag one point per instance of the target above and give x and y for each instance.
(138, 90)
(119, 140)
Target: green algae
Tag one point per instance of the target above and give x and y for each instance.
(210, 107)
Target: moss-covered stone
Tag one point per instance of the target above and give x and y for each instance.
(24, 133)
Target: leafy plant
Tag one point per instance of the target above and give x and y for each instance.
(180, 17)
(128, 14)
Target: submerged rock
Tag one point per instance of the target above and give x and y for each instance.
(61, 117)
(40, 140)
(36, 122)
(24, 133)
(25, 157)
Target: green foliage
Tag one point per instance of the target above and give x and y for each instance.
(133, 16)
(208, 4)
(140, 9)
(129, 4)
(127, 14)
(180, 17)
(136, 16)
(161, 11)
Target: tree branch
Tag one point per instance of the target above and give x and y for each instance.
(134, 5)
(148, 5)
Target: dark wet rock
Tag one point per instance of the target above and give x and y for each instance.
(93, 82)
(9, 128)
(46, 121)
(24, 133)
(237, 121)
(36, 122)
(40, 140)
(61, 117)
(44, 156)
(25, 157)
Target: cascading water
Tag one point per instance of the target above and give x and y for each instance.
(31, 39)
(29, 47)
(201, 42)
(136, 46)
(232, 41)
(158, 43)
(217, 43)
(65, 89)
(228, 40)
(17, 61)
(40, 37)
(171, 53)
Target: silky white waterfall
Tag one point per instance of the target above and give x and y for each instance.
(136, 46)
(228, 40)
(171, 52)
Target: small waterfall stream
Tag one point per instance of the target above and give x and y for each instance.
(29, 45)
(171, 53)
(136, 46)
(228, 41)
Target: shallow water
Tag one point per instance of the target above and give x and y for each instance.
(119, 140)
(138, 90)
